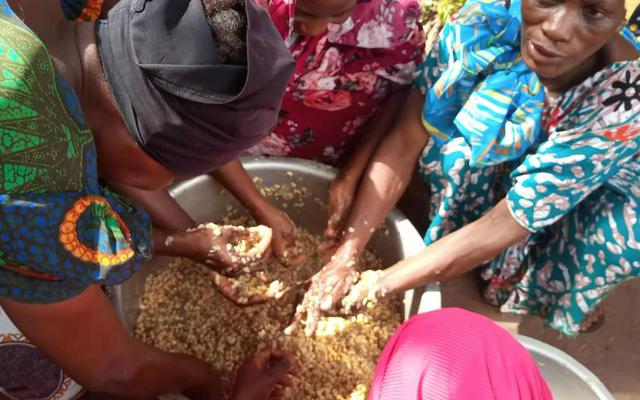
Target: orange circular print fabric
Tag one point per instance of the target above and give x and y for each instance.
(61, 230)
(71, 241)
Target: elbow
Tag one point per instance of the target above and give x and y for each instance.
(133, 168)
(140, 179)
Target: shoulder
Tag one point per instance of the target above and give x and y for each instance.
(281, 13)
(483, 12)
(604, 106)
(41, 29)
(381, 24)
(401, 15)
(82, 10)
(621, 101)
(618, 92)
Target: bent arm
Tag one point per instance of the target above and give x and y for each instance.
(235, 178)
(375, 131)
(75, 334)
(165, 212)
(458, 252)
(387, 176)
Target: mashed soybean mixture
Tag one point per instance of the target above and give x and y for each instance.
(181, 311)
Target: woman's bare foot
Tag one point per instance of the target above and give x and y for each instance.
(593, 321)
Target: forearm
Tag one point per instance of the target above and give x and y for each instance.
(85, 338)
(171, 244)
(375, 131)
(165, 212)
(236, 180)
(387, 176)
(161, 373)
(458, 252)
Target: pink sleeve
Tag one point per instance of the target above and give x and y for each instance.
(281, 12)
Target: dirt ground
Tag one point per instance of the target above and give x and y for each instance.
(612, 352)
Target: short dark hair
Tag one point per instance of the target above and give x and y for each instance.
(228, 22)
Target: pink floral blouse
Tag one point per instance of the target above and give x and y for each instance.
(343, 77)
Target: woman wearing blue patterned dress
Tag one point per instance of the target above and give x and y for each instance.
(526, 125)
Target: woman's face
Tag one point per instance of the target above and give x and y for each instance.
(313, 16)
(559, 35)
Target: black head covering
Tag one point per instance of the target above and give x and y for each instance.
(186, 109)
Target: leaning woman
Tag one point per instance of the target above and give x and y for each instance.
(63, 234)
(529, 116)
(355, 61)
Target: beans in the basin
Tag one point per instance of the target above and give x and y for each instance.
(181, 311)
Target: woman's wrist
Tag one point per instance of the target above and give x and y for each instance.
(347, 252)
(181, 244)
(357, 235)
(259, 207)
(207, 384)
(349, 175)
(409, 273)
(386, 283)
(238, 395)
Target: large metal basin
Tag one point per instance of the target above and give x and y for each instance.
(566, 377)
(205, 200)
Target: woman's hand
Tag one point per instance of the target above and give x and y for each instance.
(328, 288)
(368, 290)
(284, 239)
(203, 247)
(264, 376)
(229, 288)
(341, 195)
(210, 247)
(234, 178)
(343, 189)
